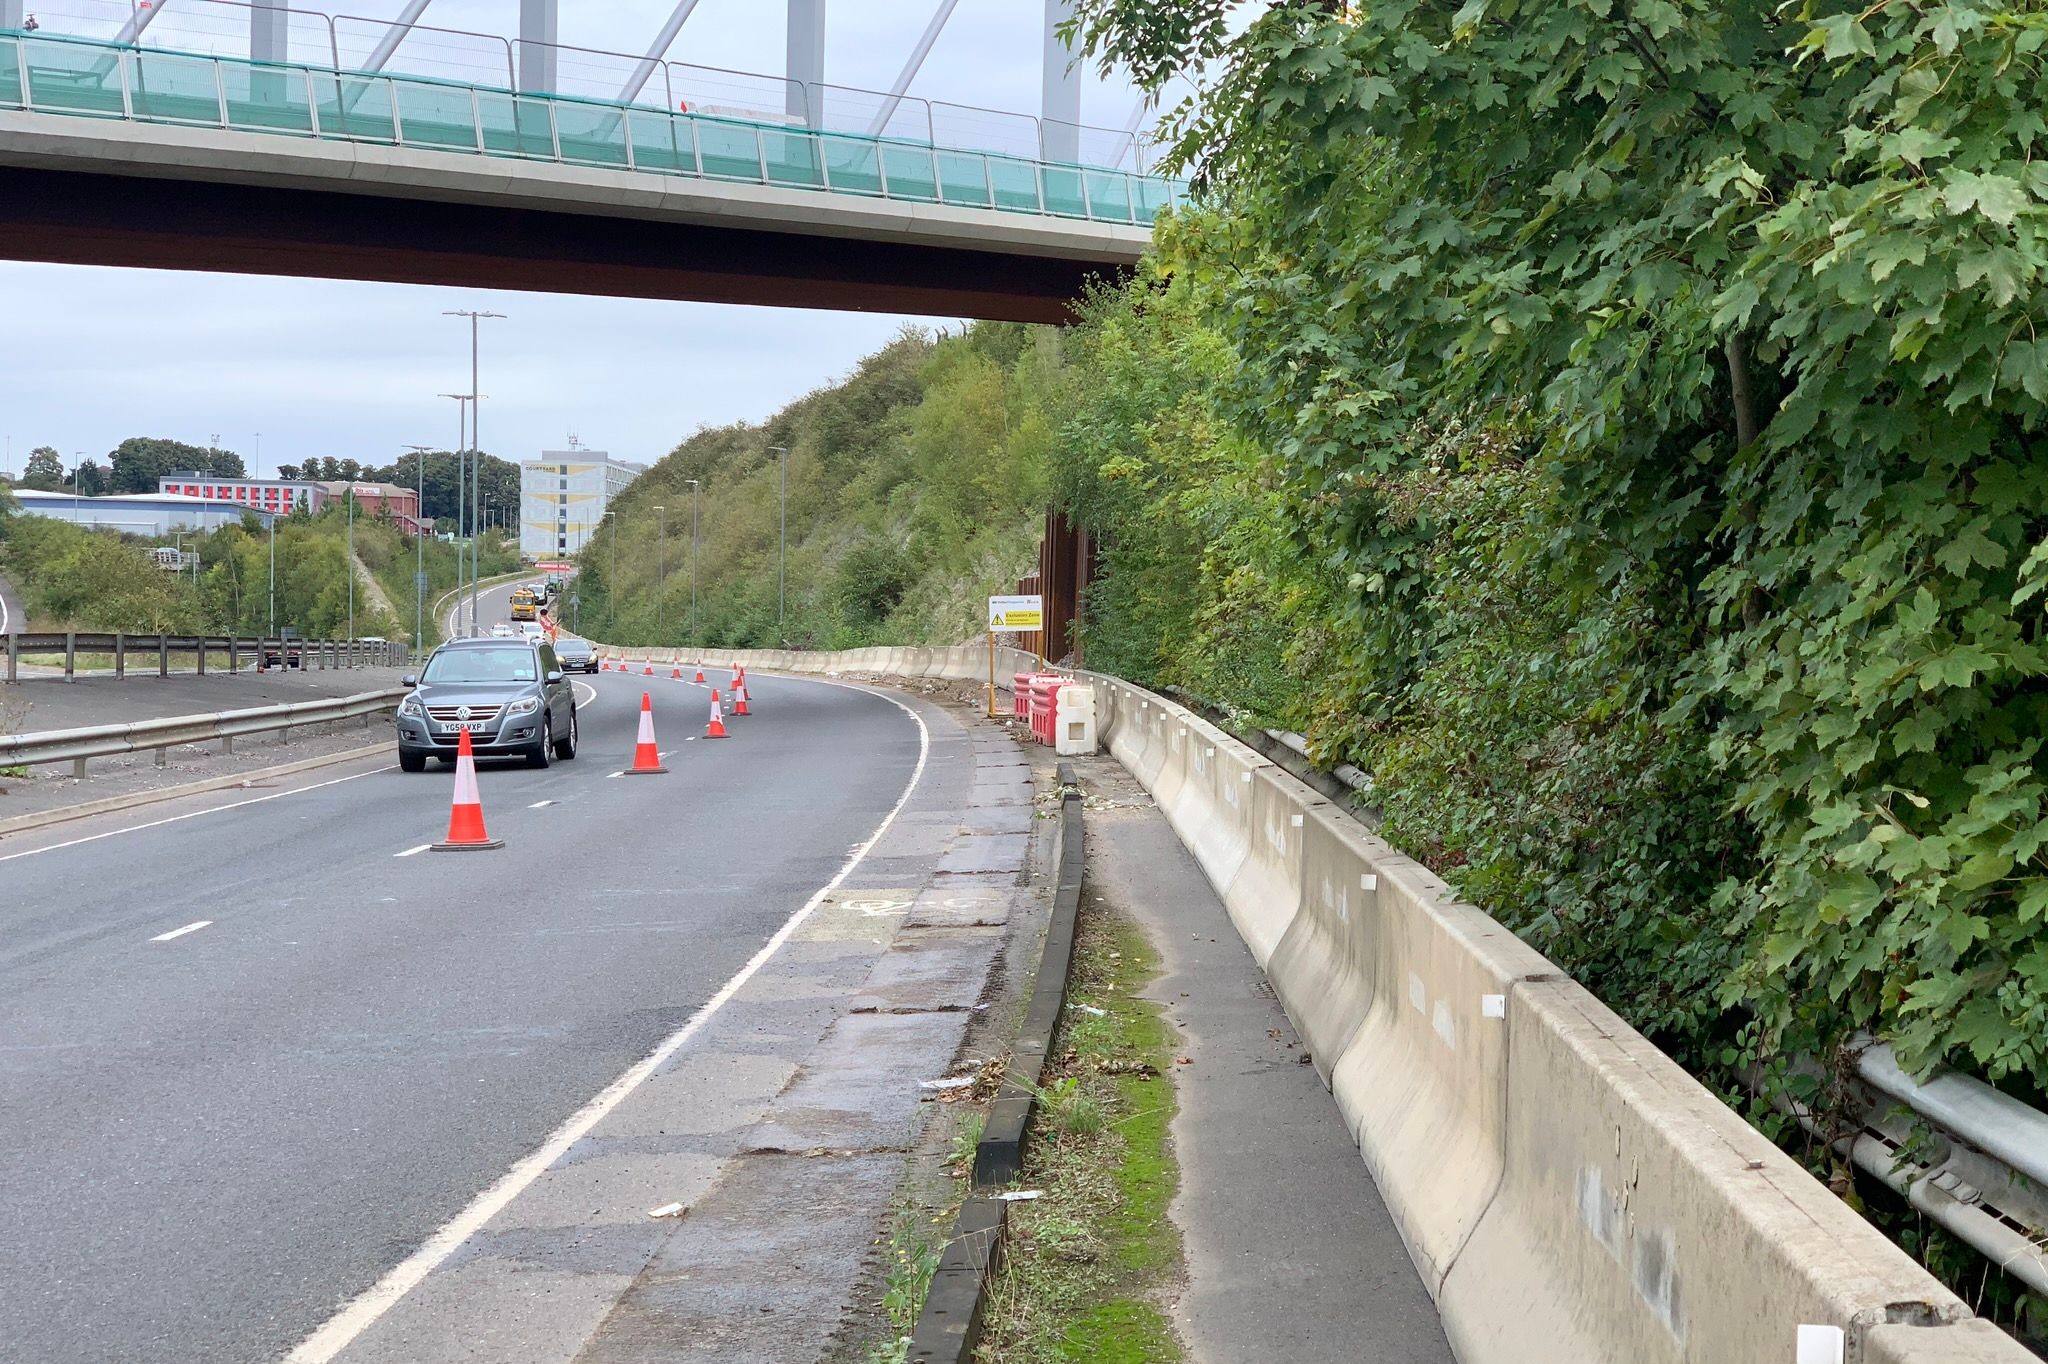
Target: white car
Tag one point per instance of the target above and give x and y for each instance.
(532, 629)
(503, 630)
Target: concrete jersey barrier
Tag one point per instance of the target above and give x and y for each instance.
(1567, 1192)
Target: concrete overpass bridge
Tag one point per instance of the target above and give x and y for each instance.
(397, 152)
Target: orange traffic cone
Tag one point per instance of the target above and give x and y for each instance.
(466, 818)
(716, 729)
(739, 696)
(677, 675)
(700, 674)
(646, 757)
(649, 670)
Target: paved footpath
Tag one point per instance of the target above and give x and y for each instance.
(1290, 1252)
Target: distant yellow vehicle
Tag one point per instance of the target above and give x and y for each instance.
(525, 605)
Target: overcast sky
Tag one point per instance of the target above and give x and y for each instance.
(319, 367)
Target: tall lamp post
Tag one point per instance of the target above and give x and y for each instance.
(419, 550)
(351, 565)
(476, 485)
(782, 545)
(660, 567)
(612, 587)
(455, 538)
(696, 487)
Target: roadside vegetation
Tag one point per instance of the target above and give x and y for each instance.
(1087, 1265)
(917, 486)
(77, 578)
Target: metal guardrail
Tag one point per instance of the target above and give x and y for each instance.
(75, 746)
(1969, 1156)
(313, 654)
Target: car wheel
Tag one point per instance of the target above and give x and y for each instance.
(538, 756)
(566, 749)
(410, 761)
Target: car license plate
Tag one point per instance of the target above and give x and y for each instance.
(452, 726)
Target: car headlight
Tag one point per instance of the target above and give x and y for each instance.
(525, 706)
(411, 706)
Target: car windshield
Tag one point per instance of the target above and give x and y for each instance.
(571, 646)
(481, 665)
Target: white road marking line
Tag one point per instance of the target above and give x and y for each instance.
(540, 805)
(358, 1316)
(609, 775)
(410, 851)
(586, 687)
(194, 814)
(181, 932)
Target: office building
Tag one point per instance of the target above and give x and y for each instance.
(563, 496)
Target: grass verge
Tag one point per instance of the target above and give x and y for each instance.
(1086, 1263)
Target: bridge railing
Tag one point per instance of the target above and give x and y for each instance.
(123, 649)
(709, 123)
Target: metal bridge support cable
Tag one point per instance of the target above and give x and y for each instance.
(804, 96)
(656, 50)
(1059, 132)
(139, 20)
(910, 70)
(539, 32)
(400, 29)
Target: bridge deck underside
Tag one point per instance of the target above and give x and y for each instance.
(79, 217)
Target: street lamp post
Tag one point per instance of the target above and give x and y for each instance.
(476, 439)
(350, 566)
(419, 550)
(782, 545)
(660, 567)
(455, 539)
(273, 575)
(696, 488)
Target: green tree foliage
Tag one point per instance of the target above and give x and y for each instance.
(1767, 280)
(44, 471)
(140, 461)
(916, 486)
(90, 478)
(87, 579)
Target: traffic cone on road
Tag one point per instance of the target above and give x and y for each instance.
(739, 696)
(700, 674)
(677, 675)
(646, 757)
(466, 818)
(716, 729)
(649, 672)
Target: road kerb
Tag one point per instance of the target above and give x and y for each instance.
(949, 1327)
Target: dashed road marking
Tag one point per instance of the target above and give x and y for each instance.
(410, 851)
(540, 805)
(181, 932)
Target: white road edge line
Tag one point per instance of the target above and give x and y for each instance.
(410, 851)
(181, 932)
(359, 1315)
(540, 805)
(194, 814)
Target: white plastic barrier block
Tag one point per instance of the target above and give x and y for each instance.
(1074, 721)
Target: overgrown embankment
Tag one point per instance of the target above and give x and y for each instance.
(916, 486)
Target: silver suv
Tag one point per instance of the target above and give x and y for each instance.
(509, 694)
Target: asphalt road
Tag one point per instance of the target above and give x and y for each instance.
(217, 1134)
